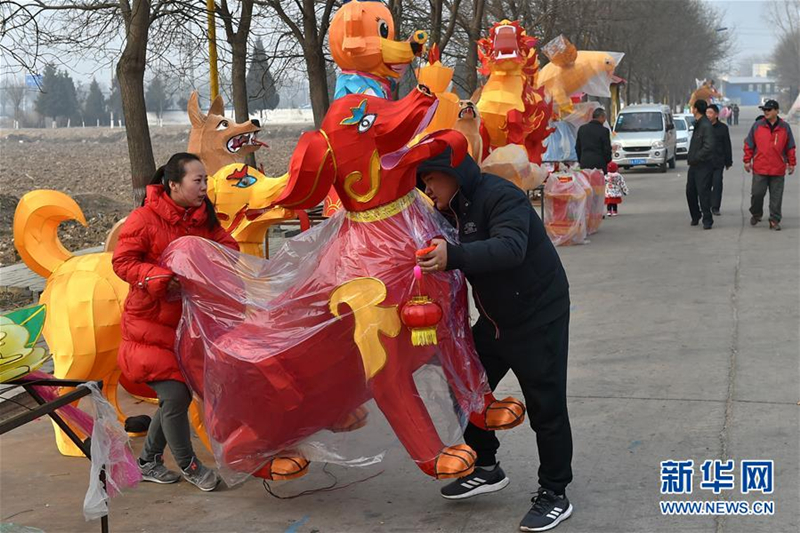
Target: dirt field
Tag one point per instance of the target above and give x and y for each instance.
(91, 165)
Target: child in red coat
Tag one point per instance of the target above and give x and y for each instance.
(615, 189)
(176, 205)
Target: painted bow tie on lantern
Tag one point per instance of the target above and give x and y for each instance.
(285, 349)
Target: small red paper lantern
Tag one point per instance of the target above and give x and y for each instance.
(421, 315)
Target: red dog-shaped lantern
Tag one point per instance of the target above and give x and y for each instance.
(282, 349)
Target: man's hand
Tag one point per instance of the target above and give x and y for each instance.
(747, 167)
(791, 170)
(435, 260)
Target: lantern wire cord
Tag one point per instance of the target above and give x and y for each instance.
(330, 488)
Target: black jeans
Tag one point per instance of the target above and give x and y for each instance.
(538, 359)
(698, 185)
(170, 424)
(761, 184)
(716, 189)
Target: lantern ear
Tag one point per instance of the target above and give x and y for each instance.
(312, 171)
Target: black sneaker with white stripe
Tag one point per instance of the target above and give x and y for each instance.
(548, 510)
(480, 481)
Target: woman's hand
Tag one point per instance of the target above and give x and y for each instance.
(435, 260)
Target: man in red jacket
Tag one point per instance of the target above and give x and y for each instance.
(769, 150)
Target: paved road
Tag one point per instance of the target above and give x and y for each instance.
(684, 346)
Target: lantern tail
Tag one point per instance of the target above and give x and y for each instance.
(424, 336)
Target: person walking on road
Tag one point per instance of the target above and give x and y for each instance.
(522, 294)
(735, 114)
(769, 151)
(593, 145)
(701, 167)
(723, 157)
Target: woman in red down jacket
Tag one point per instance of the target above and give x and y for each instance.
(176, 205)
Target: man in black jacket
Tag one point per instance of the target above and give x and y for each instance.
(701, 167)
(723, 156)
(593, 145)
(521, 291)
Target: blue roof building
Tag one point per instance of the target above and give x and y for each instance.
(748, 90)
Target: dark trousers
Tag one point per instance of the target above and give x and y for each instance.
(735, 120)
(539, 361)
(716, 189)
(698, 186)
(761, 184)
(729, 120)
(612, 208)
(170, 424)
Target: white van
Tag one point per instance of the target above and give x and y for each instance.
(644, 135)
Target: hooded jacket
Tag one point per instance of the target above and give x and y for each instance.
(770, 148)
(517, 278)
(701, 147)
(149, 319)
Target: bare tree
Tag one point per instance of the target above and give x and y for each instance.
(310, 32)
(14, 92)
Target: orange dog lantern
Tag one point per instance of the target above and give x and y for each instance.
(362, 44)
(331, 322)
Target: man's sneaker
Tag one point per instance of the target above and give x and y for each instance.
(201, 476)
(754, 220)
(156, 472)
(715, 212)
(774, 225)
(547, 512)
(695, 222)
(480, 481)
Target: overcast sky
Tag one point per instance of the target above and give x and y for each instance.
(745, 20)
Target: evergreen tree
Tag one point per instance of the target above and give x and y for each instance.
(262, 91)
(156, 98)
(94, 108)
(183, 103)
(46, 101)
(115, 100)
(68, 107)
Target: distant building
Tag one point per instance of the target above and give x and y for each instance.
(748, 90)
(763, 70)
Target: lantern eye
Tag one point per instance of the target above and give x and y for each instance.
(366, 123)
(383, 28)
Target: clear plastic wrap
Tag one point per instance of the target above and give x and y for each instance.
(111, 454)
(511, 162)
(286, 353)
(594, 214)
(110, 450)
(560, 145)
(565, 207)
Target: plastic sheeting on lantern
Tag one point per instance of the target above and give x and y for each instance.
(565, 206)
(283, 351)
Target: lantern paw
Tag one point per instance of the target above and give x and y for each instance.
(504, 414)
(454, 461)
(283, 468)
(352, 421)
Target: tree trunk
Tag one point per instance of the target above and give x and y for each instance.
(130, 73)
(317, 81)
(475, 27)
(238, 42)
